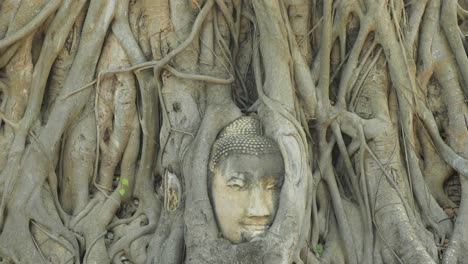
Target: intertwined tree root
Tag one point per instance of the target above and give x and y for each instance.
(101, 100)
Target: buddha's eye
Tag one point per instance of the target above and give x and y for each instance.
(270, 184)
(236, 183)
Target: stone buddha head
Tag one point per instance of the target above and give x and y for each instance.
(246, 173)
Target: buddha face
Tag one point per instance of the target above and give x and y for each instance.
(245, 193)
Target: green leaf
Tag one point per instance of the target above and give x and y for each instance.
(122, 192)
(125, 182)
(318, 250)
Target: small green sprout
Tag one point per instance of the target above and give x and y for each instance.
(318, 250)
(125, 182)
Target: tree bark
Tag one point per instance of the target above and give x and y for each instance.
(109, 111)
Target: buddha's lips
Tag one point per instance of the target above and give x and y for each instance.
(255, 227)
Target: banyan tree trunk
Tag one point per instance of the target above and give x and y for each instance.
(109, 110)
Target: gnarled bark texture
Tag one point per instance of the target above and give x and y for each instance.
(109, 109)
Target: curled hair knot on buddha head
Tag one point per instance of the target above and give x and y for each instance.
(242, 136)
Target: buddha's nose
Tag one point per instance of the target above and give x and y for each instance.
(258, 204)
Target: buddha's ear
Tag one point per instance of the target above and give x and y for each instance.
(209, 179)
(289, 220)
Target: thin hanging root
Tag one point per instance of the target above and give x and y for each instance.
(91, 245)
(34, 24)
(194, 33)
(386, 242)
(325, 50)
(53, 43)
(38, 249)
(9, 122)
(195, 3)
(274, 106)
(162, 63)
(148, 119)
(122, 114)
(60, 121)
(120, 29)
(418, 8)
(347, 159)
(351, 70)
(325, 167)
(448, 21)
(231, 24)
(55, 238)
(197, 77)
(68, 238)
(461, 12)
(389, 178)
(130, 158)
(302, 75)
(357, 94)
(65, 96)
(52, 178)
(367, 209)
(128, 239)
(450, 157)
(83, 213)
